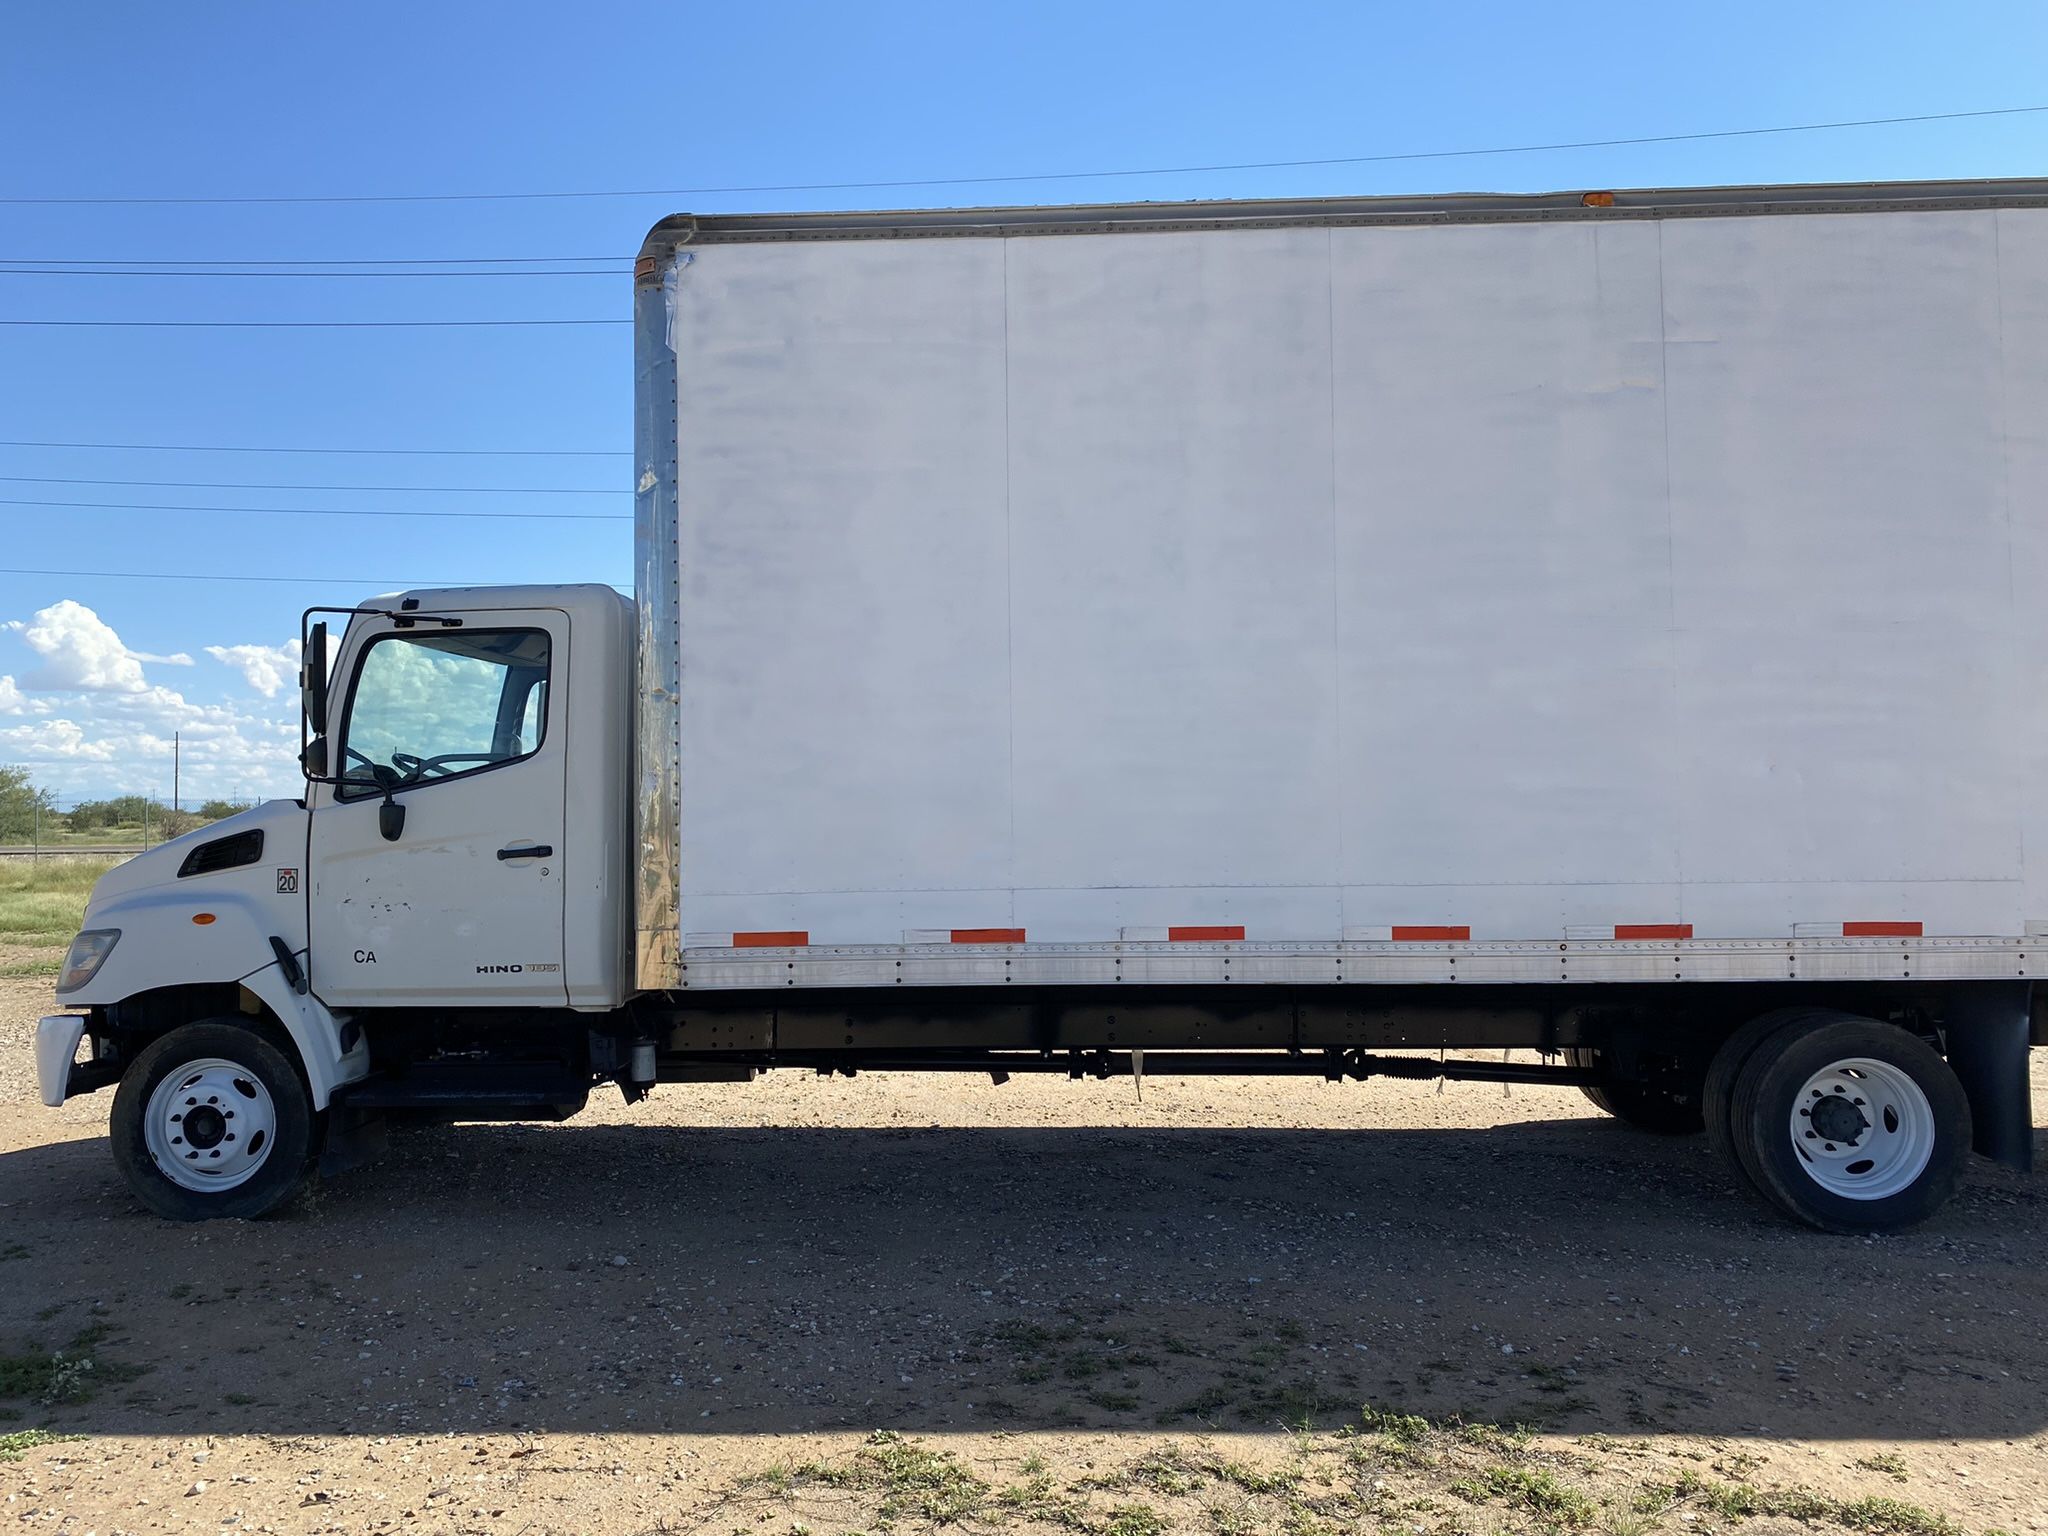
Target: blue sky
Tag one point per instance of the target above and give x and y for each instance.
(219, 100)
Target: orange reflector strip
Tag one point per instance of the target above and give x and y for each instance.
(1880, 930)
(202, 918)
(771, 940)
(1653, 930)
(988, 935)
(1597, 200)
(1196, 935)
(1427, 935)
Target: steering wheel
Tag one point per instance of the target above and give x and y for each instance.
(415, 767)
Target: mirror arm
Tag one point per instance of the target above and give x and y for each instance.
(390, 815)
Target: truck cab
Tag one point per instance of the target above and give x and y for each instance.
(459, 863)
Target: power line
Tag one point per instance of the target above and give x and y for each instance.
(246, 485)
(1040, 176)
(215, 325)
(386, 582)
(51, 271)
(298, 261)
(322, 580)
(492, 453)
(152, 506)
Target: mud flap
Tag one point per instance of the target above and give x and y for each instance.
(354, 1137)
(1989, 1033)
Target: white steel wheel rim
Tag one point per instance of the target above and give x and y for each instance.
(1862, 1129)
(210, 1125)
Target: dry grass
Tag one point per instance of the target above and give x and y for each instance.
(43, 900)
(1385, 1470)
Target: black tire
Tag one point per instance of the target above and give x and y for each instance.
(1905, 1143)
(1719, 1094)
(1661, 1111)
(286, 1142)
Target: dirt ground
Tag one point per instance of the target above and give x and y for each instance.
(895, 1303)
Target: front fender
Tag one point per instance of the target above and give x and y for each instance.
(197, 933)
(178, 935)
(315, 1031)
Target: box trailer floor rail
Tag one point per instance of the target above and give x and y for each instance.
(1902, 957)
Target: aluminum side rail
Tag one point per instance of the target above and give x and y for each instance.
(1364, 963)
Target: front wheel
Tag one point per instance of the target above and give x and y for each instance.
(212, 1119)
(1850, 1125)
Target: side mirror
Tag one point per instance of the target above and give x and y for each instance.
(313, 681)
(391, 814)
(313, 758)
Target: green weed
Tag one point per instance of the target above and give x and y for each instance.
(1883, 1516)
(1135, 1520)
(72, 1374)
(1534, 1489)
(916, 1480)
(12, 1447)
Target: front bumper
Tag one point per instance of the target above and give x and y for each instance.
(57, 1037)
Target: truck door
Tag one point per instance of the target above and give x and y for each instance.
(459, 727)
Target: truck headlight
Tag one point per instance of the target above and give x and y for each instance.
(89, 952)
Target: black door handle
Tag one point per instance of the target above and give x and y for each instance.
(538, 851)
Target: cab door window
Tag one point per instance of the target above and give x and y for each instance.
(434, 706)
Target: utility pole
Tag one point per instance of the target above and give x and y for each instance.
(176, 754)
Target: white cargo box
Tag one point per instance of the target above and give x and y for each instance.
(1343, 574)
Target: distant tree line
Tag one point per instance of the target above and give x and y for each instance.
(21, 799)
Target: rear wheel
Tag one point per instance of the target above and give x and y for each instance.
(212, 1119)
(1850, 1125)
(1719, 1094)
(1667, 1111)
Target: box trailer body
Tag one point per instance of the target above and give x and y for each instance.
(1209, 637)
(1519, 571)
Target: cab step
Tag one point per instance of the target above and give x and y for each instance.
(468, 1090)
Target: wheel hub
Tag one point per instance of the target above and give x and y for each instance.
(1835, 1117)
(1863, 1128)
(210, 1124)
(204, 1127)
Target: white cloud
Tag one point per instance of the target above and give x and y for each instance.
(103, 728)
(266, 668)
(79, 651)
(14, 700)
(63, 741)
(175, 659)
(101, 744)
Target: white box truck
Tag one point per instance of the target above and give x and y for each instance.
(1211, 637)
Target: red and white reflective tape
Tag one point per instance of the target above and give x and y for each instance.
(1409, 933)
(1601, 932)
(1394, 933)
